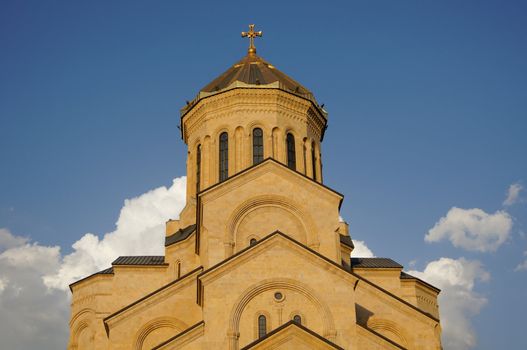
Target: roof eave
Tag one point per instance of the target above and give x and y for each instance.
(204, 95)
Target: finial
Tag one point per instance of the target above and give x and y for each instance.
(251, 34)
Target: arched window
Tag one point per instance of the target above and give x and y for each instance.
(262, 326)
(224, 156)
(257, 145)
(297, 319)
(313, 161)
(291, 156)
(198, 167)
(253, 241)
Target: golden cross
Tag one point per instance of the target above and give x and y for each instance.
(251, 34)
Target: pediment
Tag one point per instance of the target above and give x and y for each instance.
(274, 173)
(284, 249)
(292, 336)
(262, 199)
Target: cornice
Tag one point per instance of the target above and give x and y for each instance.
(257, 170)
(253, 100)
(149, 299)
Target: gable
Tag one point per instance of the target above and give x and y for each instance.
(292, 336)
(267, 166)
(165, 301)
(265, 198)
(282, 247)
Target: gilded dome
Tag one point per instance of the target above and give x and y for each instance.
(252, 71)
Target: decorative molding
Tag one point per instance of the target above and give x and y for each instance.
(283, 284)
(154, 324)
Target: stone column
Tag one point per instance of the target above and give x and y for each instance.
(238, 150)
(205, 162)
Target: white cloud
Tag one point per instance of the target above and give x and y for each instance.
(361, 250)
(3, 284)
(30, 315)
(458, 302)
(513, 194)
(140, 231)
(34, 279)
(472, 229)
(8, 240)
(522, 266)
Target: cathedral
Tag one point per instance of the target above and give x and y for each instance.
(259, 257)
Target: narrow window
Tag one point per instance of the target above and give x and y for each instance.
(253, 241)
(262, 326)
(305, 158)
(198, 168)
(297, 319)
(291, 156)
(224, 156)
(178, 269)
(257, 145)
(314, 161)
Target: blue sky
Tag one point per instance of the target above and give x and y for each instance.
(427, 103)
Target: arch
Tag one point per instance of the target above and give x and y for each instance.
(198, 167)
(223, 156)
(282, 202)
(155, 324)
(297, 318)
(298, 313)
(81, 313)
(290, 150)
(313, 161)
(389, 329)
(256, 327)
(257, 145)
(239, 149)
(82, 325)
(262, 326)
(194, 143)
(276, 142)
(207, 162)
(284, 284)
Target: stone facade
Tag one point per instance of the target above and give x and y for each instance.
(259, 259)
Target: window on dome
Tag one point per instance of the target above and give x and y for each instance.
(291, 156)
(224, 156)
(198, 167)
(257, 145)
(313, 161)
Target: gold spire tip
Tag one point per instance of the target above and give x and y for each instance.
(251, 34)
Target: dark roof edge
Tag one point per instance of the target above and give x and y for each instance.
(152, 294)
(189, 329)
(107, 271)
(381, 336)
(122, 257)
(323, 258)
(285, 325)
(356, 264)
(412, 277)
(347, 241)
(184, 233)
(269, 159)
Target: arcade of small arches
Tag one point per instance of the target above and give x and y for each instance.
(214, 159)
